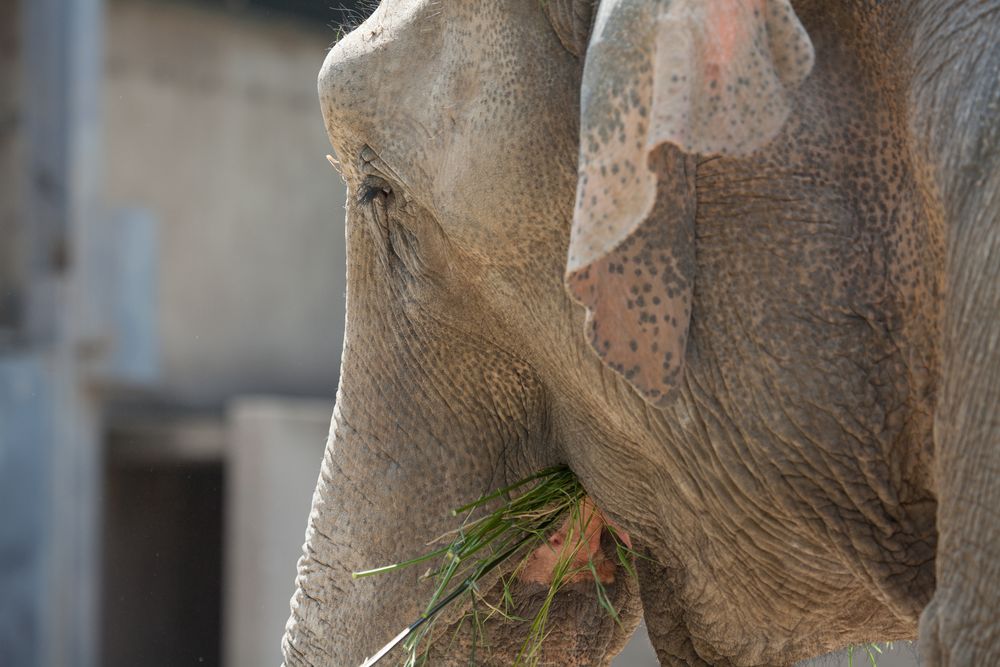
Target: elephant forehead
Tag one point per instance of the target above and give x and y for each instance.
(430, 65)
(365, 80)
(470, 104)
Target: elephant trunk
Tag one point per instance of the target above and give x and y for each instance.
(335, 546)
(406, 446)
(381, 496)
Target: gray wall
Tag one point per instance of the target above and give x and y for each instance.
(49, 207)
(213, 124)
(275, 447)
(213, 130)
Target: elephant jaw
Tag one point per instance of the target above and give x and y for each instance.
(579, 540)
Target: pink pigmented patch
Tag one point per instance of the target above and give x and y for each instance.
(727, 25)
(579, 539)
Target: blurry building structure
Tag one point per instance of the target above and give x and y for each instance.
(171, 320)
(171, 242)
(52, 325)
(213, 126)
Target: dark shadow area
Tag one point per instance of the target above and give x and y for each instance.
(334, 12)
(163, 564)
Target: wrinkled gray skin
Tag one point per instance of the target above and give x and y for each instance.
(830, 470)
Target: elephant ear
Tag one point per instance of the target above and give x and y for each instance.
(664, 79)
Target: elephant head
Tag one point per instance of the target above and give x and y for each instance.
(660, 242)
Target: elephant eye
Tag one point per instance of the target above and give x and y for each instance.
(377, 196)
(371, 189)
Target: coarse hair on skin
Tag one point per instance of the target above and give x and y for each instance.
(350, 17)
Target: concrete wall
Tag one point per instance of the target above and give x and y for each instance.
(25, 476)
(274, 450)
(49, 195)
(213, 124)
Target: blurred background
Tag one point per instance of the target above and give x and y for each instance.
(171, 320)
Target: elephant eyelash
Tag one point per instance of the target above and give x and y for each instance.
(369, 192)
(371, 188)
(376, 195)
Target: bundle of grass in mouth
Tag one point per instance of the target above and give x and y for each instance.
(509, 534)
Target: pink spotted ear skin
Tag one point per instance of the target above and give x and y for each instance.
(728, 73)
(638, 296)
(663, 79)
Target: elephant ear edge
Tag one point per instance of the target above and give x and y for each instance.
(663, 80)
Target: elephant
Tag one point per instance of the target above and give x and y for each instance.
(735, 263)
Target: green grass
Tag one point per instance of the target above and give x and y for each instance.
(506, 534)
(870, 650)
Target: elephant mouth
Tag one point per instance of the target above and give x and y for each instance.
(575, 621)
(578, 541)
(574, 581)
(526, 591)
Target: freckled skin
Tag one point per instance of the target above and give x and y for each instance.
(574, 544)
(814, 466)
